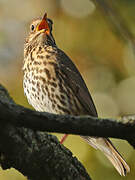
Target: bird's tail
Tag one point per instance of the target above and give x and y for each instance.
(106, 146)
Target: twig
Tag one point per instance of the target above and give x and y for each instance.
(115, 20)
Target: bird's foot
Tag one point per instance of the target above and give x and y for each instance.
(63, 138)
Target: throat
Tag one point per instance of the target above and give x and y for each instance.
(50, 40)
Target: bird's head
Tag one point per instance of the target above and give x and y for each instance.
(41, 31)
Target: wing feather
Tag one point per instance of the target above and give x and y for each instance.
(75, 81)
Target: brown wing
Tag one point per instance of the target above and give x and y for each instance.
(76, 82)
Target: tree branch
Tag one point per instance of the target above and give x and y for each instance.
(37, 155)
(116, 21)
(122, 128)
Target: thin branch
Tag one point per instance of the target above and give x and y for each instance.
(116, 20)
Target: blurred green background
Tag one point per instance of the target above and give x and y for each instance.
(106, 61)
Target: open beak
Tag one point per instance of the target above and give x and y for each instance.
(43, 26)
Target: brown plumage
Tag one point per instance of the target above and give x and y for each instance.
(53, 84)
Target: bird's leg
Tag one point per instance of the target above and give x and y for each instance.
(63, 138)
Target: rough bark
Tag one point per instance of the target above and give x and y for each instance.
(122, 128)
(39, 155)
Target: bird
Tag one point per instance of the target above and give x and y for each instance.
(52, 83)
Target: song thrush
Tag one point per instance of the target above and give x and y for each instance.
(52, 83)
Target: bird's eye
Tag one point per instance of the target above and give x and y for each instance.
(32, 27)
